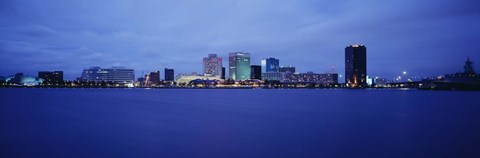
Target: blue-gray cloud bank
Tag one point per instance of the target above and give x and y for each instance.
(420, 36)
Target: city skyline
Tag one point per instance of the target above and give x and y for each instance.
(421, 37)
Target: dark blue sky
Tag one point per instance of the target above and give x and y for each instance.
(419, 36)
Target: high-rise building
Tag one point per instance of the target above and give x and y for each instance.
(270, 65)
(152, 78)
(169, 74)
(239, 66)
(114, 74)
(212, 65)
(356, 66)
(290, 69)
(51, 77)
(256, 72)
(223, 73)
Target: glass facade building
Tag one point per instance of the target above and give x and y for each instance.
(114, 74)
(239, 66)
(270, 65)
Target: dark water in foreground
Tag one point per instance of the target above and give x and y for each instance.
(238, 123)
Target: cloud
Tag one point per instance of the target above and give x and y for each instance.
(420, 36)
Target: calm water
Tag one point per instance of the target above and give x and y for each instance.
(238, 123)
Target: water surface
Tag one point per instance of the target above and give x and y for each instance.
(238, 123)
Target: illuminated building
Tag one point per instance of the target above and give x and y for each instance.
(21, 80)
(152, 78)
(212, 65)
(256, 72)
(185, 79)
(274, 76)
(239, 66)
(290, 69)
(270, 65)
(380, 82)
(114, 74)
(310, 77)
(356, 66)
(51, 77)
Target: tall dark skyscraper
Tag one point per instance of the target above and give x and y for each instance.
(256, 72)
(51, 77)
(169, 74)
(223, 73)
(356, 66)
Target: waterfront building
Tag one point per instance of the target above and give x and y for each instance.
(290, 69)
(169, 74)
(152, 78)
(274, 76)
(310, 77)
(270, 65)
(223, 73)
(239, 66)
(212, 65)
(256, 72)
(356, 66)
(114, 74)
(380, 82)
(186, 79)
(51, 77)
(20, 79)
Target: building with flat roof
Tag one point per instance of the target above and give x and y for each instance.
(51, 77)
(239, 66)
(256, 72)
(212, 65)
(356, 66)
(114, 74)
(274, 76)
(290, 69)
(270, 65)
(169, 74)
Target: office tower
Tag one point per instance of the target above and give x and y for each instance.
(212, 65)
(114, 74)
(169, 74)
(270, 65)
(51, 77)
(256, 72)
(239, 66)
(356, 66)
(290, 69)
(223, 73)
(152, 78)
